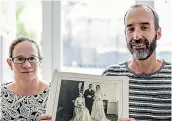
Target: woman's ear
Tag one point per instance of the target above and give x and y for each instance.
(40, 63)
(9, 63)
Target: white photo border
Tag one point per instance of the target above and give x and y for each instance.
(54, 92)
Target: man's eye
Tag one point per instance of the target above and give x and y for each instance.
(130, 30)
(145, 28)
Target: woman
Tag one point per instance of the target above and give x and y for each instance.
(24, 99)
(80, 112)
(97, 112)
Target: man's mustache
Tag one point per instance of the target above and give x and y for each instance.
(140, 41)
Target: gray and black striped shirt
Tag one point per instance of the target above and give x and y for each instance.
(149, 94)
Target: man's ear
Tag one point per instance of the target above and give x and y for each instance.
(159, 33)
(9, 63)
(125, 32)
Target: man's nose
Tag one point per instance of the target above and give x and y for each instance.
(26, 64)
(137, 34)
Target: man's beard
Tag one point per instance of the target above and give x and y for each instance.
(142, 53)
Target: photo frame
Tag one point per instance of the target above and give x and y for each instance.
(109, 93)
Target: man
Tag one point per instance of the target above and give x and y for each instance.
(88, 95)
(150, 78)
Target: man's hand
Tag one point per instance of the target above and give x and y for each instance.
(45, 117)
(127, 119)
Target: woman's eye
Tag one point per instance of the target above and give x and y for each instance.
(32, 58)
(20, 59)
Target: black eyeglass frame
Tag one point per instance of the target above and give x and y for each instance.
(38, 58)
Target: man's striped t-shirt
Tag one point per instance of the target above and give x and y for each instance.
(149, 94)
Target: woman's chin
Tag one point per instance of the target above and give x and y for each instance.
(28, 78)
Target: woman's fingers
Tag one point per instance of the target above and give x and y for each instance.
(45, 118)
(127, 119)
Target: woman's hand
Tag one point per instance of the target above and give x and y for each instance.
(45, 117)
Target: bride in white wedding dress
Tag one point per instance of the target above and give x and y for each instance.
(97, 112)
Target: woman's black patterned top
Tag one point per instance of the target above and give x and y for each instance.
(22, 108)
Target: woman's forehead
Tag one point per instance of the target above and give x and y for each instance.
(25, 48)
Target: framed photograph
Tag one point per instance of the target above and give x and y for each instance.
(84, 97)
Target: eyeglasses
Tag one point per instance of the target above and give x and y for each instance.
(21, 60)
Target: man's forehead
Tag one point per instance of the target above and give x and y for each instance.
(140, 7)
(139, 10)
(139, 23)
(139, 15)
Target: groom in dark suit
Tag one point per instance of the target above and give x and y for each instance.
(88, 95)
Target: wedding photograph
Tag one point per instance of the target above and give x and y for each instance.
(88, 98)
